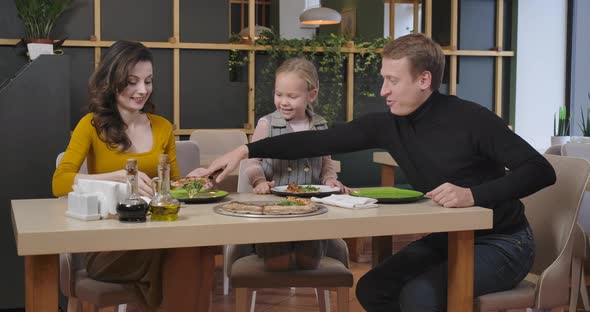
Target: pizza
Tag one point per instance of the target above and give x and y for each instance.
(293, 205)
(294, 188)
(184, 182)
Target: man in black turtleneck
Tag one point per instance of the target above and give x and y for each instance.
(453, 150)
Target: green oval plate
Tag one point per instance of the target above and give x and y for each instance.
(388, 195)
(208, 196)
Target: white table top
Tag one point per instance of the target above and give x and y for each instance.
(41, 227)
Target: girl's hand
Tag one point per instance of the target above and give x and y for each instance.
(264, 187)
(335, 183)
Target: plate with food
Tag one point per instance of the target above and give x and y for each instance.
(388, 195)
(190, 190)
(304, 190)
(291, 207)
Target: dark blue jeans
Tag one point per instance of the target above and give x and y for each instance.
(415, 278)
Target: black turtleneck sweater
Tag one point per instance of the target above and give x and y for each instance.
(446, 139)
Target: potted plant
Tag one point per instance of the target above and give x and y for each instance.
(39, 17)
(584, 126)
(561, 127)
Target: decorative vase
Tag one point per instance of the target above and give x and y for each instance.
(38, 47)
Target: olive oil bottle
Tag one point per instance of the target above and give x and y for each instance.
(163, 206)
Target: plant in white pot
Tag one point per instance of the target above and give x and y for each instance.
(39, 17)
(584, 127)
(561, 127)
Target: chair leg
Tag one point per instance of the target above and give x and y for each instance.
(575, 283)
(323, 296)
(584, 290)
(342, 298)
(89, 307)
(225, 282)
(241, 299)
(252, 303)
(73, 304)
(109, 309)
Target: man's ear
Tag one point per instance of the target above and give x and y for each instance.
(425, 80)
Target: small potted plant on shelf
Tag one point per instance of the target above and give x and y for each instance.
(39, 17)
(561, 127)
(584, 126)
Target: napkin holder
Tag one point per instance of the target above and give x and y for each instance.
(83, 206)
(88, 194)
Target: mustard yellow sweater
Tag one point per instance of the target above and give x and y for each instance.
(85, 143)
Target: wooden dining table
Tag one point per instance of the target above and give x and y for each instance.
(42, 232)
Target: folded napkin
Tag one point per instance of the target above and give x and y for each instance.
(109, 194)
(347, 201)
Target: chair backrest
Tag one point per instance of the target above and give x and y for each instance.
(187, 156)
(216, 142)
(244, 185)
(580, 150)
(83, 168)
(552, 213)
(554, 150)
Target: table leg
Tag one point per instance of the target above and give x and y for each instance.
(387, 175)
(41, 283)
(382, 245)
(460, 284)
(382, 248)
(207, 272)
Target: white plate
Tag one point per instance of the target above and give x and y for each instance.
(324, 190)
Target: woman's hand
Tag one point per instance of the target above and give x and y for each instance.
(335, 183)
(264, 187)
(451, 196)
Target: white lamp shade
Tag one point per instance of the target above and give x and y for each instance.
(244, 33)
(320, 16)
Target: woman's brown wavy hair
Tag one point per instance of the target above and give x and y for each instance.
(109, 79)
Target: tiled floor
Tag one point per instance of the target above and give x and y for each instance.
(285, 299)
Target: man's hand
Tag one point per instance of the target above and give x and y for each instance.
(451, 196)
(228, 162)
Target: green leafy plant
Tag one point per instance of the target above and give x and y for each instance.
(585, 125)
(39, 16)
(237, 58)
(561, 123)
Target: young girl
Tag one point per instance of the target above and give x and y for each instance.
(120, 125)
(296, 88)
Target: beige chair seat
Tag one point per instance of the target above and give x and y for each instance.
(102, 293)
(521, 297)
(249, 272)
(246, 273)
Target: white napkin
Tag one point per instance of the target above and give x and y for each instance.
(109, 194)
(347, 201)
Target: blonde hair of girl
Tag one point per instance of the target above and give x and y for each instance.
(306, 71)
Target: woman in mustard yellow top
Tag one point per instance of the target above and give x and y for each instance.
(120, 126)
